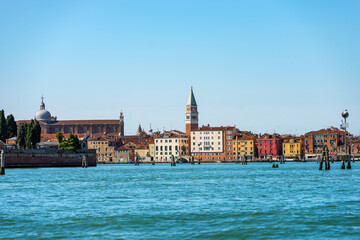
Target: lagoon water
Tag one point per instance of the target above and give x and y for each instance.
(207, 201)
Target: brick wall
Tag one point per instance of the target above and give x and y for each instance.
(19, 158)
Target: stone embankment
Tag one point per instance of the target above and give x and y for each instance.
(19, 158)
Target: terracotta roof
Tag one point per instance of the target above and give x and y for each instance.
(296, 140)
(141, 146)
(326, 131)
(74, 122)
(245, 137)
(178, 132)
(208, 128)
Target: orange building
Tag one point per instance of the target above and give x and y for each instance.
(315, 140)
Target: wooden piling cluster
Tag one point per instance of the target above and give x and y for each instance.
(2, 163)
(275, 165)
(345, 159)
(84, 163)
(325, 158)
(243, 160)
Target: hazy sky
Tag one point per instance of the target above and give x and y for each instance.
(264, 66)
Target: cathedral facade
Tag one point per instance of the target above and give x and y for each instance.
(50, 124)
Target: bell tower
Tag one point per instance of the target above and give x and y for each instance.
(191, 114)
(121, 123)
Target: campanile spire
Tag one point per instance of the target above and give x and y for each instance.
(191, 115)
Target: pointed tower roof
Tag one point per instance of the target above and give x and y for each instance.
(191, 100)
(139, 130)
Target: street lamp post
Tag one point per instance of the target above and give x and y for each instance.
(344, 125)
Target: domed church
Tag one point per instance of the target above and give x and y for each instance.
(43, 114)
(50, 125)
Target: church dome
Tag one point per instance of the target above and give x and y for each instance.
(43, 114)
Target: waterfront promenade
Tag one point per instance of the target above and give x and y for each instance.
(206, 201)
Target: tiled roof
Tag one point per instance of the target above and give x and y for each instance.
(245, 137)
(74, 122)
(208, 128)
(326, 131)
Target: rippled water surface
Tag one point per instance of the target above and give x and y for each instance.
(207, 201)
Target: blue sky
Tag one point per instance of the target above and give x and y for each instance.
(264, 66)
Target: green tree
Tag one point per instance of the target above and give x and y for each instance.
(3, 128)
(72, 142)
(60, 137)
(11, 126)
(21, 137)
(37, 132)
(29, 135)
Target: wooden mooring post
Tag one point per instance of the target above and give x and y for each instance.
(2, 163)
(173, 163)
(137, 161)
(84, 163)
(152, 161)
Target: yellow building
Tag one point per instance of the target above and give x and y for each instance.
(104, 149)
(293, 148)
(143, 153)
(244, 145)
(152, 149)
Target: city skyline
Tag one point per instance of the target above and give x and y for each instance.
(288, 67)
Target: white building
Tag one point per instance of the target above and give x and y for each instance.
(172, 143)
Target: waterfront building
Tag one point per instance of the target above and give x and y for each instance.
(104, 147)
(191, 115)
(142, 152)
(293, 148)
(355, 148)
(213, 143)
(171, 143)
(244, 145)
(315, 140)
(125, 153)
(269, 145)
(152, 149)
(50, 125)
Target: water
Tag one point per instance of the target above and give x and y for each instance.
(207, 201)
